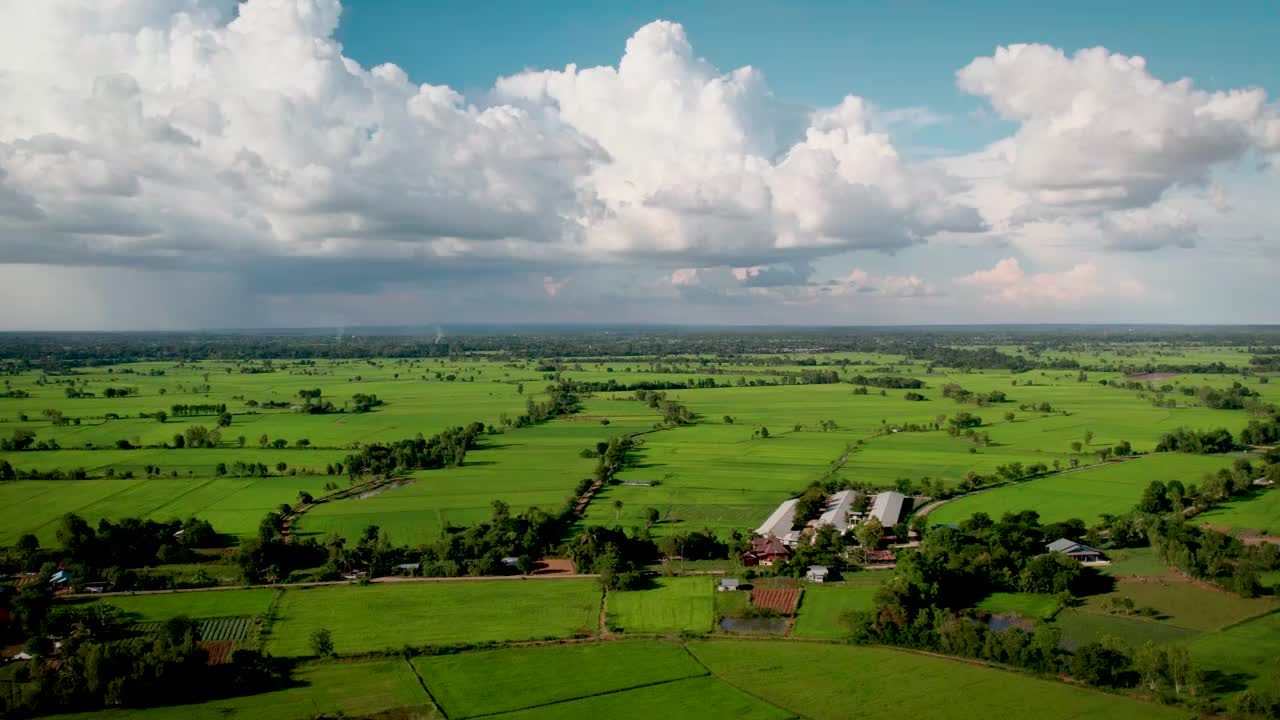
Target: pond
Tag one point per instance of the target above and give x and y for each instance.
(755, 626)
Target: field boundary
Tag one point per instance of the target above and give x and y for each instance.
(422, 682)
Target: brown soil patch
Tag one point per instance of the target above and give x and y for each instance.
(553, 566)
(779, 600)
(219, 650)
(1152, 377)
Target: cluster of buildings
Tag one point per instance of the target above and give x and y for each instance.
(887, 507)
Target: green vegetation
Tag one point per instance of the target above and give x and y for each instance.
(1183, 604)
(1248, 650)
(1260, 512)
(822, 606)
(355, 689)
(830, 681)
(678, 700)
(159, 607)
(365, 619)
(1033, 606)
(673, 605)
(463, 684)
(1084, 494)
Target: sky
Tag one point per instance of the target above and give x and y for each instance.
(187, 164)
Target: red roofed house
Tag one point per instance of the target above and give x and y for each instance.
(765, 551)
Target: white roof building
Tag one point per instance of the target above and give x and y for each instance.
(837, 511)
(887, 508)
(780, 522)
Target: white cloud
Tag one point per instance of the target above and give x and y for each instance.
(191, 133)
(1008, 283)
(1097, 131)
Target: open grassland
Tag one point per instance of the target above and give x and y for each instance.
(694, 698)
(674, 605)
(1244, 654)
(1259, 512)
(838, 681)
(159, 607)
(376, 617)
(235, 506)
(1185, 604)
(463, 684)
(1079, 628)
(1135, 561)
(530, 467)
(822, 606)
(1033, 606)
(351, 689)
(1084, 494)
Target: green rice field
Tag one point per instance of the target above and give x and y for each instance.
(681, 604)
(390, 615)
(1260, 512)
(1085, 494)
(833, 681)
(822, 606)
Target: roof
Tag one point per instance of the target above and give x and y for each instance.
(781, 521)
(837, 510)
(769, 546)
(818, 570)
(730, 582)
(1070, 547)
(888, 507)
(880, 556)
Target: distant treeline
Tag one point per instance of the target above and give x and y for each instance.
(973, 347)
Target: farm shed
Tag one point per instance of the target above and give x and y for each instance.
(837, 511)
(781, 521)
(765, 551)
(817, 574)
(1074, 550)
(880, 557)
(887, 508)
(729, 584)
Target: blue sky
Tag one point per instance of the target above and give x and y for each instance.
(898, 54)
(268, 163)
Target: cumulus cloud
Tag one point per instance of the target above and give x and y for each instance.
(1097, 131)
(198, 133)
(1008, 283)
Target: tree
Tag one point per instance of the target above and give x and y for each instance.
(525, 564)
(1076, 446)
(220, 469)
(282, 466)
(304, 497)
(224, 419)
(1008, 417)
(160, 416)
(764, 433)
(1088, 437)
(651, 516)
(322, 643)
(1155, 499)
(6, 471)
(869, 532)
(240, 441)
(617, 509)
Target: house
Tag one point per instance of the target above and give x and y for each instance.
(887, 508)
(781, 521)
(97, 587)
(60, 579)
(817, 574)
(729, 584)
(765, 551)
(353, 575)
(1074, 550)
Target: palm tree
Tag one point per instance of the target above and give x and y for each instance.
(617, 509)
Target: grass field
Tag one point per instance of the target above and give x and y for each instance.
(693, 699)
(1260, 512)
(675, 605)
(1032, 606)
(1079, 628)
(1084, 494)
(463, 684)
(822, 606)
(1185, 604)
(353, 689)
(1243, 654)
(1135, 561)
(364, 619)
(164, 606)
(841, 681)
(531, 467)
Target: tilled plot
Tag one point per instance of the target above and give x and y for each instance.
(780, 600)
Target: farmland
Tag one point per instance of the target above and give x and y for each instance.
(817, 680)
(674, 605)
(752, 434)
(365, 619)
(1085, 494)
